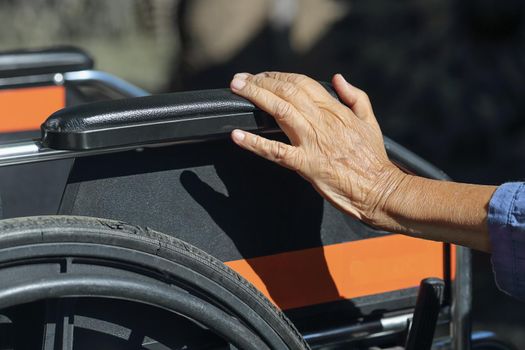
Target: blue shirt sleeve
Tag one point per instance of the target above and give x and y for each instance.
(506, 224)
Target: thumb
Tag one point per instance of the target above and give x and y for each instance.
(357, 100)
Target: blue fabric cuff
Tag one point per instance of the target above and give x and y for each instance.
(506, 224)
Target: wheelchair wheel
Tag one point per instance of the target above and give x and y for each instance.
(88, 283)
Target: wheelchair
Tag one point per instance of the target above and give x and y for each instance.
(130, 221)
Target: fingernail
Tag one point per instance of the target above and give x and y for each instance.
(238, 135)
(242, 76)
(238, 84)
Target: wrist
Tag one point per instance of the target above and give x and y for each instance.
(390, 192)
(402, 204)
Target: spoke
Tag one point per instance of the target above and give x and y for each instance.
(48, 341)
(59, 326)
(68, 326)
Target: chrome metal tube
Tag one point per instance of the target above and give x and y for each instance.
(105, 79)
(462, 301)
(353, 332)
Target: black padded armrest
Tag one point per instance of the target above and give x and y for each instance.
(43, 61)
(152, 119)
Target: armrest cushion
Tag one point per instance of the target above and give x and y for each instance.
(151, 119)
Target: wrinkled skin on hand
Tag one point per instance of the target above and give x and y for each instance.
(337, 147)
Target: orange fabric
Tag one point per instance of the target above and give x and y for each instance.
(26, 109)
(343, 271)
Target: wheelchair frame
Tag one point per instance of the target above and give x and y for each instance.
(24, 152)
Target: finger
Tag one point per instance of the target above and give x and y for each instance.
(291, 93)
(357, 100)
(317, 92)
(274, 151)
(289, 119)
(312, 87)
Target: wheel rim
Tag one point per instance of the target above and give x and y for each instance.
(61, 284)
(169, 299)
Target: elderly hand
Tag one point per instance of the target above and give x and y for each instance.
(337, 148)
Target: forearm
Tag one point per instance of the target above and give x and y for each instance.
(440, 210)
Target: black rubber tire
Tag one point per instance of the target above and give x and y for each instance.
(53, 232)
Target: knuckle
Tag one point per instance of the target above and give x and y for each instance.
(364, 96)
(286, 90)
(296, 162)
(265, 75)
(258, 79)
(300, 79)
(255, 142)
(282, 110)
(252, 91)
(276, 75)
(286, 156)
(280, 152)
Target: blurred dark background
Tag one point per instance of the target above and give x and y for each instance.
(446, 78)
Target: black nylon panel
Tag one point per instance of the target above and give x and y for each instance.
(215, 196)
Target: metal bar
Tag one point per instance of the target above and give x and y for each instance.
(32, 151)
(85, 76)
(387, 325)
(105, 79)
(461, 326)
(6, 83)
